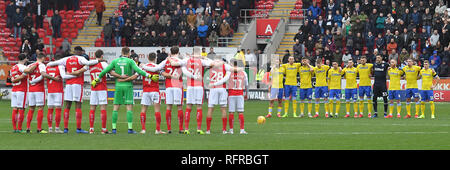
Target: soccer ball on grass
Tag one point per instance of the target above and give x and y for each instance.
(261, 120)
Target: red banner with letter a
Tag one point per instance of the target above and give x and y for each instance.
(266, 27)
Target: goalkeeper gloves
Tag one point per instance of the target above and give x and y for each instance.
(94, 82)
(154, 77)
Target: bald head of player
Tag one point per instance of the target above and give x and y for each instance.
(393, 63)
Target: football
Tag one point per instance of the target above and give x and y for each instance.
(261, 120)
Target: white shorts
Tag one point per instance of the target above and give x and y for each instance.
(194, 95)
(19, 99)
(218, 96)
(236, 104)
(174, 96)
(36, 98)
(150, 98)
(73, 92)
(55, 99)
(99, 98)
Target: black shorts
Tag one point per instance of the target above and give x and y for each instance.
(380, 91)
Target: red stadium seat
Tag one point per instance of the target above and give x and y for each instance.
(65, 34)
(47, 50)
(80, 25)
(47, 40)
(49, 13)
(73, 35)
(19, 42)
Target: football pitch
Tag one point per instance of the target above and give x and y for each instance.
(276, 134)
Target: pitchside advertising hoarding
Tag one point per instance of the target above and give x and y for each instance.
(266, 27)
(441, 92)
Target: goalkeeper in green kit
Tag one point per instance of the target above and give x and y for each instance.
(123, 66)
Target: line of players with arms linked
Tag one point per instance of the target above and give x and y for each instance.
(228, 87)
(328, 87)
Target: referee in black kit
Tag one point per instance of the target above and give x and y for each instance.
(379, 86)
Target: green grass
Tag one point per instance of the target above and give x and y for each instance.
(276, 133)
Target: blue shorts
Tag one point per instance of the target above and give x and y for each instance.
(351, 94)
(321, 92)
(412, 93)
(394, 94)
(365, 90)
(426, 95)
(306, 94)
(335, 94)
(290, 91)
(276, 93)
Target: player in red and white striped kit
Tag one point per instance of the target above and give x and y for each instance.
(174, 86)
(218, 76)
(237, 83)
(55, 94)
(74, 86)
(19, 92)
(193, 67)
(36, 95)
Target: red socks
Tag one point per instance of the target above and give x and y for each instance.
(21, 117)
(78, 116)
(103, 117)
(169, 119)
(14, 119)
(91, 118)
(158, 120)
(40, 116)
(199, 118)
(66, 118)
(187, 117)
(241, 120)
(143, 119)
(231, 117)
(224, 123)
(57, 117)
(29, 118)
(50, 117)
(208, 123)
(180, 119)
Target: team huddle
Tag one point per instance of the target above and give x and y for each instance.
(284, 82)
(228, 86)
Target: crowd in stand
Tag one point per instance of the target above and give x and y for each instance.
(173, 22)
(343, 30)
(25, 17)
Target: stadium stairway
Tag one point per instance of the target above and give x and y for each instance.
(288, 40)
(88, 35)
(236, 39)
(280, 7)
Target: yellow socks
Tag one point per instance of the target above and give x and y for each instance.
(422, 106)
(361, 106)
(399, 108)
(326, 106)
(279, 109)
(408, 108)
(417, 108)
(309, 107)
(270, 110)
(316, 107)
(391, 108)
(369, 106)
(338, 106)
(432, 107)
(331, 106)
(286, 106)
(355, 107)
(294, 106)
(347, 107)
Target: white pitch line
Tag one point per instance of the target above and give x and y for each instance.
(357, 133)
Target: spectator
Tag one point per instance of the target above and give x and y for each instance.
(213, 38)
(434, 38)
(444, 70)
(440, 8)
(337, 56)
(17, 21)
(393, 55)
(286, 57)
(346, 57)
(202, 33)
(40, 10)
(225, 29)
(108, 33)
(250, 58)
(161, 56)
(26, 48)
(184, 39)
(380, 23)
(403, 55)
(117, 32)
(211, 55)
(391, 46)
(164, 18)
(34, 36)
(315, 10)
(10, 12)
(424, 56)
(99, 9)
(436, 59)
(128, 31)
(56, 24)
(65, 45)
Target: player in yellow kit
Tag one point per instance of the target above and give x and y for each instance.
(334, 84)
(365, 71)
(395, 75)
(350, 73)
(276, 87)
(427, 74)
(290, 85)
(306, 71)
(411, 76)
(321, 90)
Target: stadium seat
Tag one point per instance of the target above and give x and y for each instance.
(65, 34)
(19, 42)
(2, 42)
(73, 35)
(46, 40)
(49, 13)
(49, 32)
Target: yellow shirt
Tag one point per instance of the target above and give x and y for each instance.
(276, 74)
(411, 76)
(305, 77)
(321, 75)
(427, 78)
(204, 54)
(364, 72)
(350, 77)
(394, 78)
(334, 78)
(290, 72)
